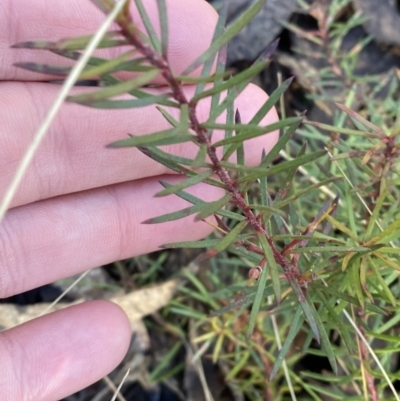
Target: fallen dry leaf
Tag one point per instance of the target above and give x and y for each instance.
(136, 305)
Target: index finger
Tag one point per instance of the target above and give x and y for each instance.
(190, 30)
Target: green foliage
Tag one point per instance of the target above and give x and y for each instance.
(322, 233)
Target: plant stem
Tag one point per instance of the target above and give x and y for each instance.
(130, 32)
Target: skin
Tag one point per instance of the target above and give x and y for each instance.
(80, 205)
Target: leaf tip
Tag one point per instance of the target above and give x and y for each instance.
(148, 221)
(269, 50)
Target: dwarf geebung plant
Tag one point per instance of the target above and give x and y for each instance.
(314, 266)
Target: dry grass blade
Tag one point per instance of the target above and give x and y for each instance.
(120, 386)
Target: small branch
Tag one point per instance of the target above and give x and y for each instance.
(129, 31)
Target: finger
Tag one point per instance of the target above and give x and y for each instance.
(73, 156)
(59, 237)
(51, 357)
(190, 30)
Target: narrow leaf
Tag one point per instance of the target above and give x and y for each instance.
(255, 172)
(307, 309)
(230, 32)
(342, 130)
(180, 214)
(167, 137)
(326, 344)
(185, 183)
(391, 229)
(213, 207)
(206, 243)
(283, 140)
(254, 132)
(197, 201)
(208, 65)
(127, 104)
(162, 12)
(295, 326)
(230, 83)
(155, 41)
(230, 237)
(362, 120)
(271, 101)
(115, 90)
(257, 301)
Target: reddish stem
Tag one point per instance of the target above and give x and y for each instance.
(129, 31)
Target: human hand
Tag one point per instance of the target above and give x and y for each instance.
(80, 205)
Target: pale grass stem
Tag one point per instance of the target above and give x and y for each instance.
(120, 385)
(372, 353)
(198, 366)
(279, 344)
(44, 127)
(65, 292)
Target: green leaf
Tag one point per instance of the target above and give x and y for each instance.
(252, 131)
(162, 12)
(230, 83)
(391, 229)
(104, 5)
(174, 163)
(341, 130)
(44, 68)
(352, 114)
(327, 248)
(295, 326)
(126, 104)
(106, 67)
(230, 237)
(180, 214)
(213, 207)
(154, 40)
(165, 362)
(330, 291)
(168, 116)
(272, 267)
(326, 344)
(287, 182)
(269, 209)
(381, 281)
(308, 310)
(200, 159)
(230, 32)
(283, 140)
(203, 79)
(77, 43)
(227, 102)
(256, 172)
(167, 137)
(207, 243)
(345, 336)
(115, 90)
(208, 65)
(375, 214)
(264, 191)
(197, 201)
(257, 302)
(204, 209)
(271, 101)
(301, 193)
(185, 183)
(171, 161)
(340, 226)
